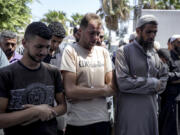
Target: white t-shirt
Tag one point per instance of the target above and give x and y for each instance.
(90, 69)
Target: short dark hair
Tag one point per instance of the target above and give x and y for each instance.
(75, 30)
(37, 29)
(169, 40)
(57, 29)
(88, 17)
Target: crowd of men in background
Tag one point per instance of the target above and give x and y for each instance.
(49, 90)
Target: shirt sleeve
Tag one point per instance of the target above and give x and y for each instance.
(58, 82)
(68, 62)
(131, 84)
(4, 83)
(163, 76)
(3, 59)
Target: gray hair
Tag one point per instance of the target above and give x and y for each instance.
(7, 34)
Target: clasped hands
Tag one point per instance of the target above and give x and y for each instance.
(42, 112)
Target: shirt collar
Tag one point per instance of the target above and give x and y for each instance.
(15, 57)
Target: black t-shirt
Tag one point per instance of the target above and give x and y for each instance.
(47, 59)
(25, 86)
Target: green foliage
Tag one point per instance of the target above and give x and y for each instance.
(113, 11)
(168, 4)
(55, 16)
(14, 14)
(76, 19)
(161, 4)
(60, 16)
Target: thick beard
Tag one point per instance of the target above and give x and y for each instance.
(146, 45)
(77, 39)
(9, 53)
(177, 49)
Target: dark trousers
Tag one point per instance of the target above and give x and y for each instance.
(101, 128)
(167, 118)
(60, 132)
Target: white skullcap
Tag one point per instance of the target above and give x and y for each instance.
(145, 19)
(174, 37)
(132, 36)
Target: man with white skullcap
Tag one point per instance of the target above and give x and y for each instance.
(174, 37)
(175, 44)
(132, 37)
(167, 116)
(140, 76)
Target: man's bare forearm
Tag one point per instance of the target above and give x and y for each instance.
(18, 117)
(60, 109)
(84, 93)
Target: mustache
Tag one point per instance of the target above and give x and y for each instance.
(150, 40)
(9, 52)
(98, 43)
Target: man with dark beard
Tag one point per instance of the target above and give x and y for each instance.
(140, 76)
(8, 43)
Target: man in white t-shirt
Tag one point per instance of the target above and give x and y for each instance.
(88, 80)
